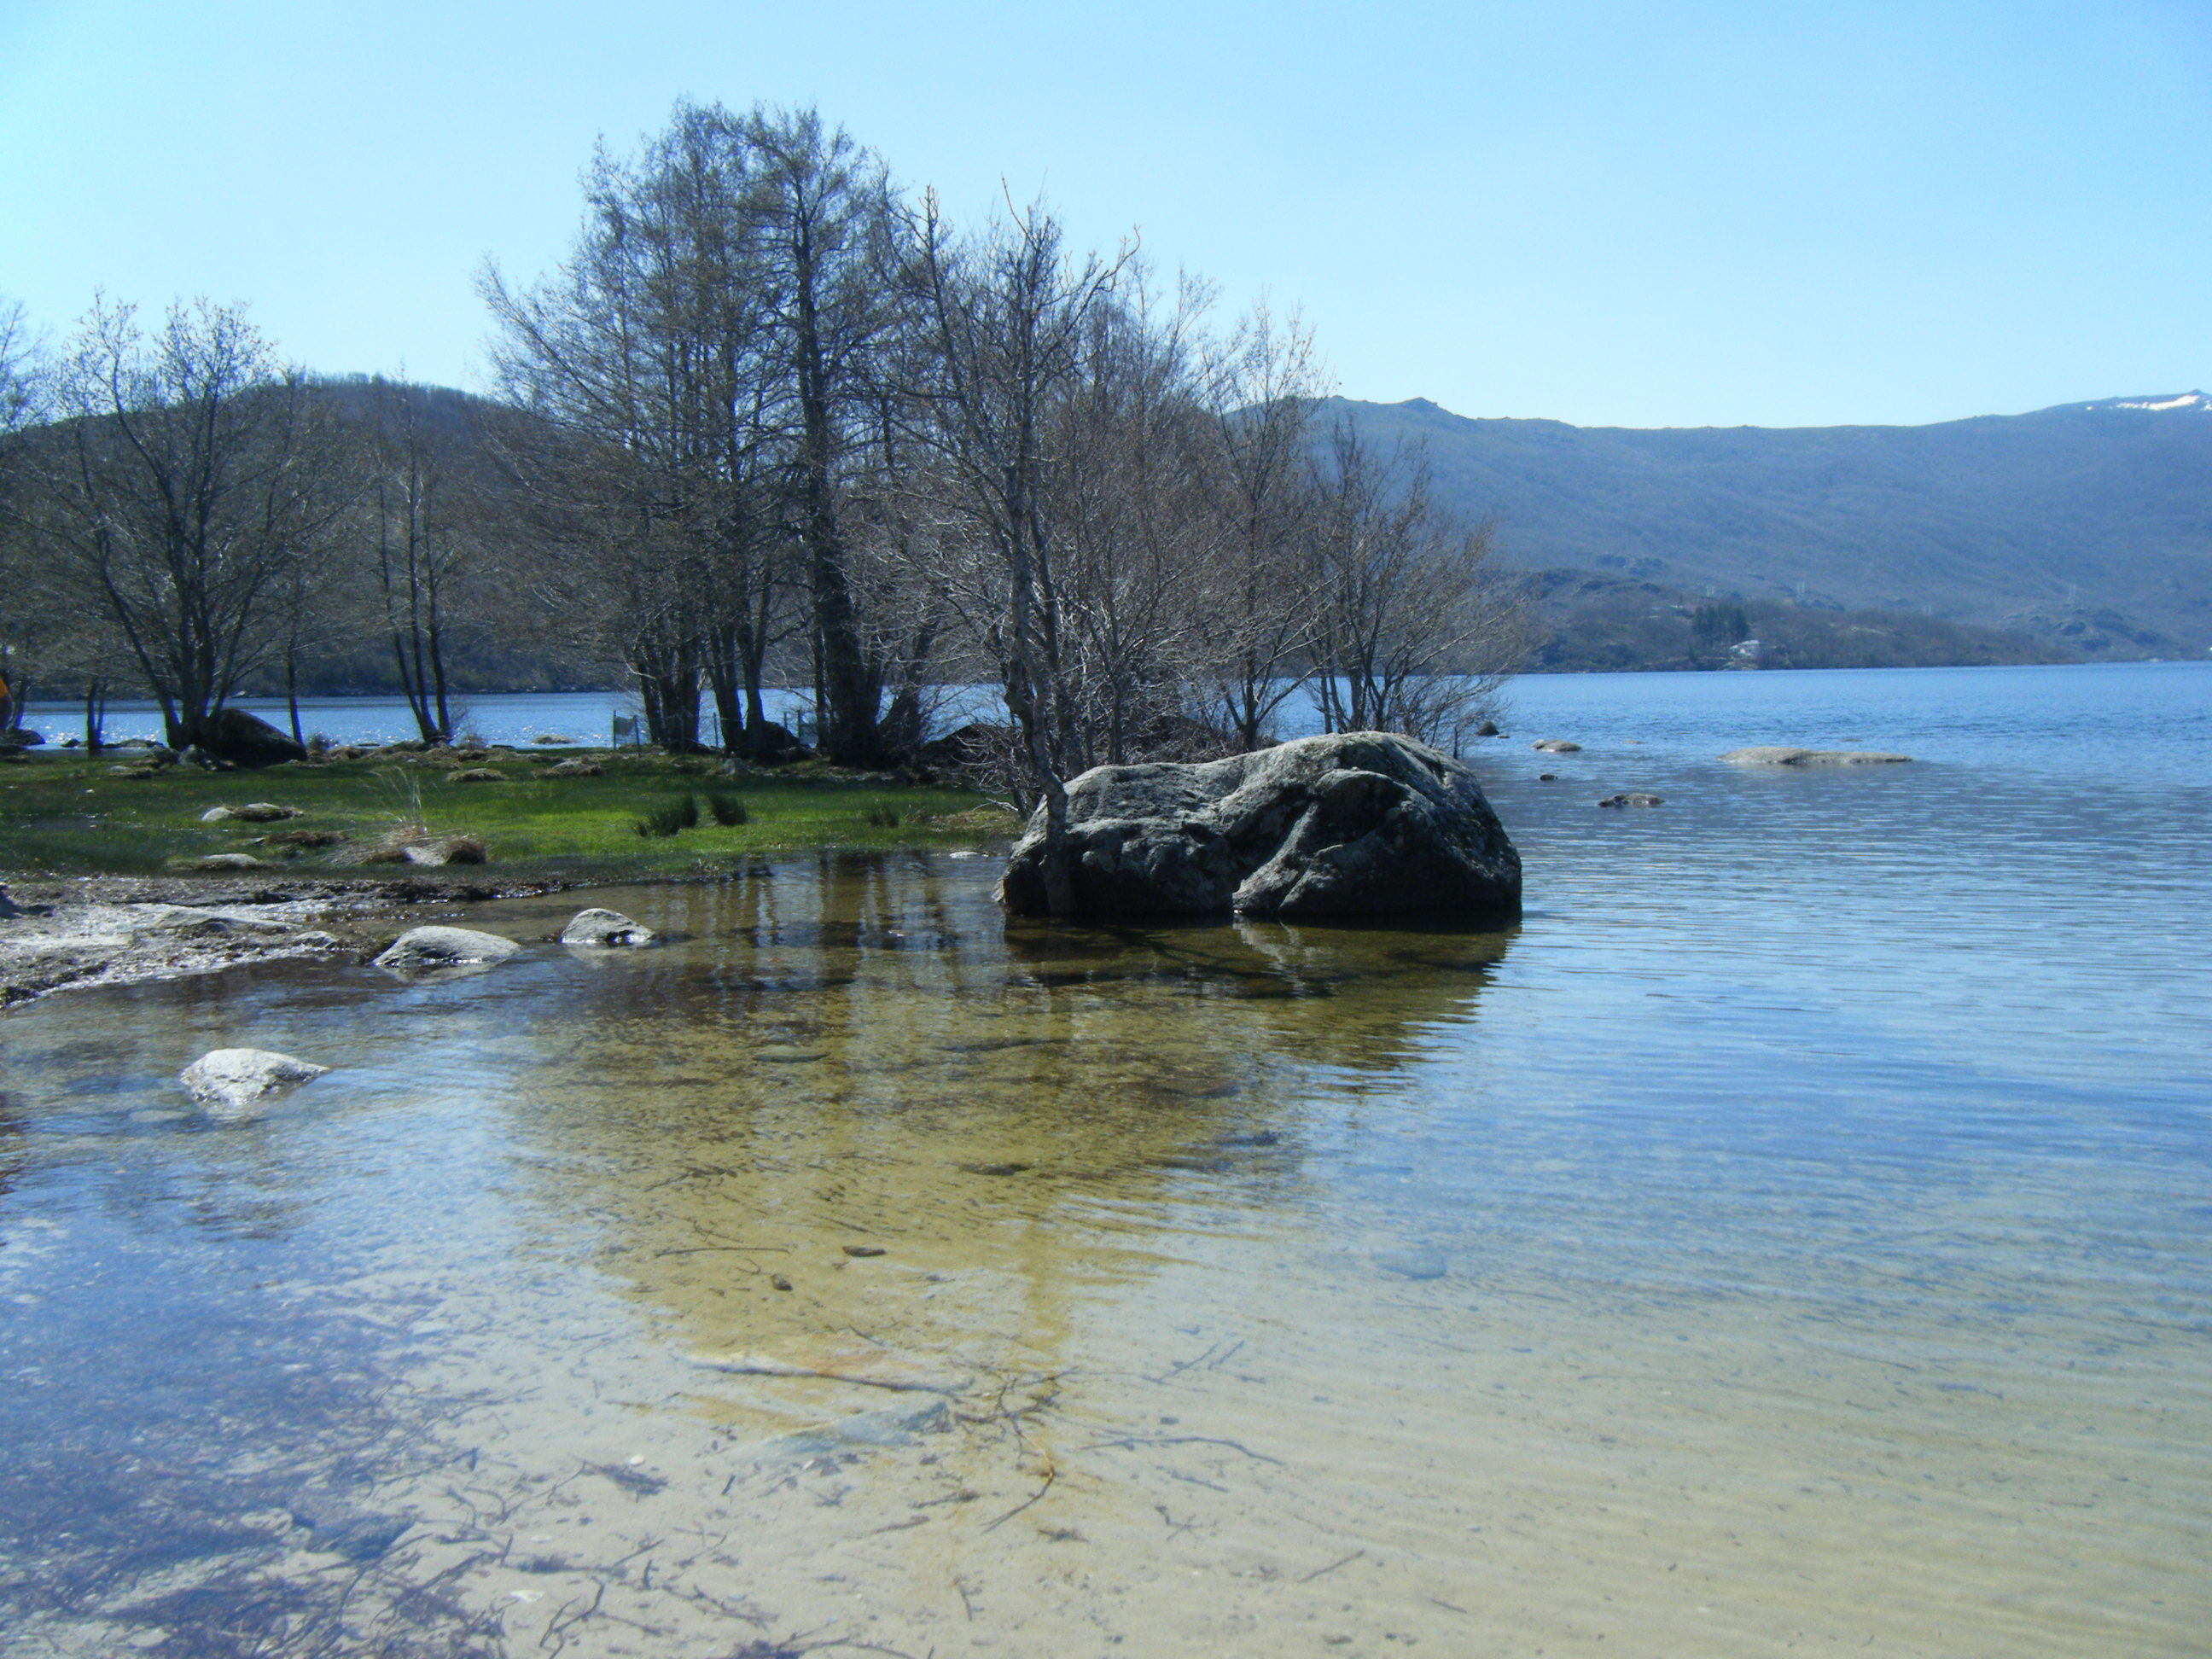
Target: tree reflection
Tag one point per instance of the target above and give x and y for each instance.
(851, 1050)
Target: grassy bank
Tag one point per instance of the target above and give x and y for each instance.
(64, 813)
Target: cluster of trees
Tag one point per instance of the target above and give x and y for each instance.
(772, 421)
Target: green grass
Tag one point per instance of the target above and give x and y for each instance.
(65, 814)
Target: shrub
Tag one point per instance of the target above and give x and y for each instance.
(728, 810)
(669, 818)
(881, 816)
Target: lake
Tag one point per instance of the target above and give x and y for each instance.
(1797, 1233)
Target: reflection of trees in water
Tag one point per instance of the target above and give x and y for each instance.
(864, 1048)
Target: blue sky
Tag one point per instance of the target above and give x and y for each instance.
(1644, 214)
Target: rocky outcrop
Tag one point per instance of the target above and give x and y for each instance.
(233, 1082)
(1359, 823)
(606, 930)
(429, 950)
(1782, 756)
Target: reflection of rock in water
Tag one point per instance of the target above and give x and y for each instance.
(865, 1052)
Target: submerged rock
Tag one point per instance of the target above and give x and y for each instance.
(1633, 798)
(426, 950)
(608, 930)
(1777, 756)
(1358, 823)
(232, 1083)
(1557, 746)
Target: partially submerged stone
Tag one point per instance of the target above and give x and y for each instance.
(1633, 798)
(233, 1082)
(1557, 746)
(1778, 756)
(608, 930)
(426, 950)
(228, 861)
(1358, 823)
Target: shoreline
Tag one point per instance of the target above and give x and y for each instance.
(89, 932)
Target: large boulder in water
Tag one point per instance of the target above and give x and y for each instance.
(243, 739)
(1357, 823)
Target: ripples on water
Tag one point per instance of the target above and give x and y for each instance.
(1794, 1234)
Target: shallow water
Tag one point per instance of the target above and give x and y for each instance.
(1795, 1234)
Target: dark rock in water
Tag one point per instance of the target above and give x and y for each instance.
(1357, 823)
(234, 735)
(1488, 729)
(769, 744)
(21, 736)
(1557, 746)
(1633, 799)
(1777, 755)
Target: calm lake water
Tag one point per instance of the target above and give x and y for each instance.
(1797, 1234)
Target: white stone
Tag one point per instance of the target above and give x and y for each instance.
(232, 1083)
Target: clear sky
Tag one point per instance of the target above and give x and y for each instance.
(1692, 212)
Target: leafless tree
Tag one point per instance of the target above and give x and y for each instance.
(1257, 615)
(189, 477)
(1414, 630)
(829, 220)
(646, 366)
(421, 536)
(25, 591)
(1007, 312)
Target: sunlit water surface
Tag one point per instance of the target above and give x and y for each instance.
(1794, 1235)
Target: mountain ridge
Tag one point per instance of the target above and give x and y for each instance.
(2088, 526)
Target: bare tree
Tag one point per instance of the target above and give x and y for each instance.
(22, 387)
(1414, 630)
(191, 475)
(655, 365)
(1006, 313)
(829, 220)
(416, 521)
(1257, 611)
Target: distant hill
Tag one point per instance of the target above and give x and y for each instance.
(2087, 528)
